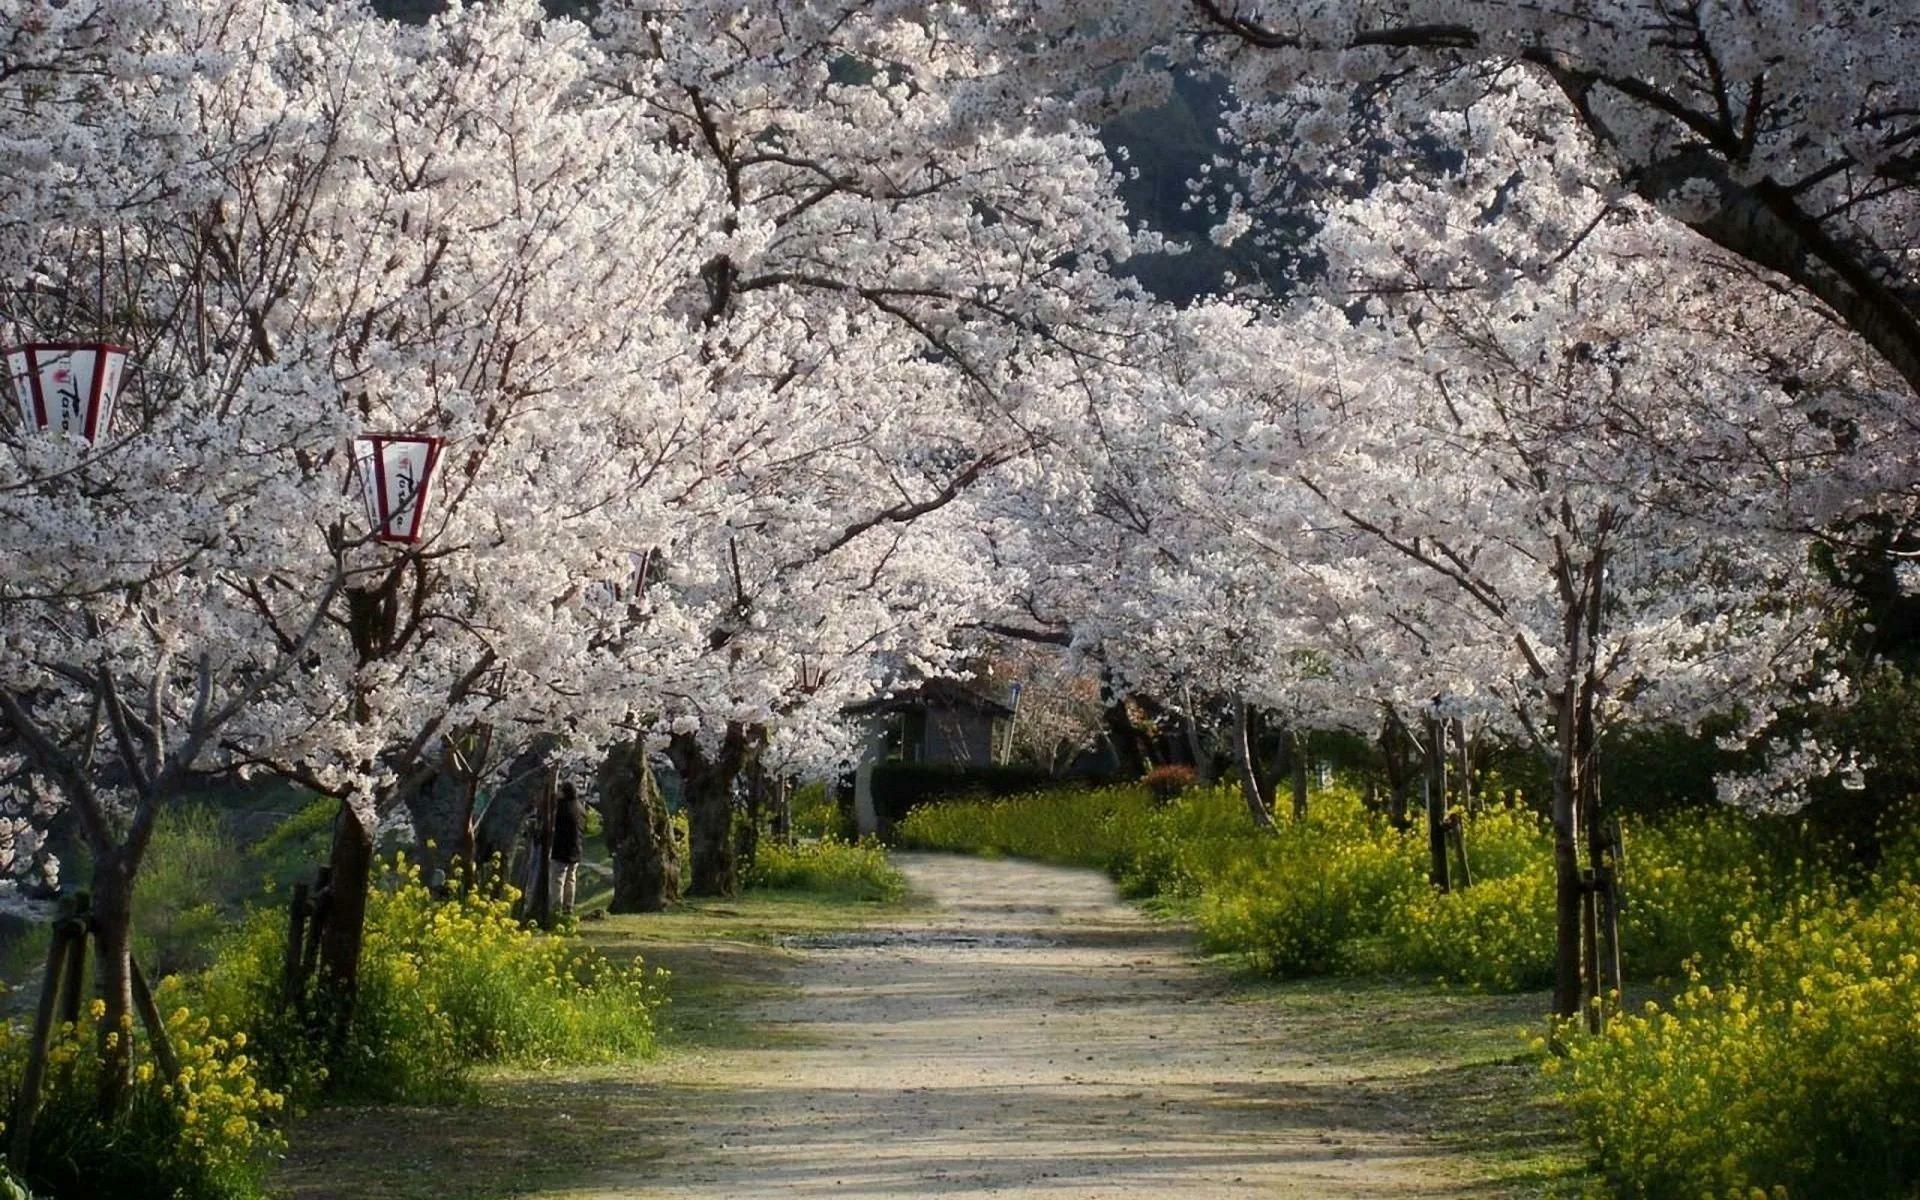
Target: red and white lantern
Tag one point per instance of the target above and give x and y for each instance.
(67, 387)
(395, 470)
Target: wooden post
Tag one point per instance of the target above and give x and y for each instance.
(1457, 830)
(1590, 936)
(156, 1032)
(319, 911)
(469, 757)
(75, 975)
(1436, 788)
(27, 1104)
(290, 976)
(1608, 873)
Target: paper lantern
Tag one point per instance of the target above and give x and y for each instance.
(67, 387)
(395, 470)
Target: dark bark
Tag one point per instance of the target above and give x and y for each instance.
(747, 829)
(1603, 954)
(646, 868)
(782, 817)
(112, 927)
(438, 808)
(1297, 761)
(1167, 743)
(538, 906)
(343, 929)
(1129, 747)
(707, 785)
(1604, 852)
(1399, 768)
(498, 831)
(1764, 224)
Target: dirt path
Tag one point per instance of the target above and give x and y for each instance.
(1030, 1036)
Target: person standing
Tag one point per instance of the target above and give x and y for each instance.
(569, 844)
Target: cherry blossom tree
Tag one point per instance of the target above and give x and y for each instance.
(393, 237)
(892, 300)
(1783, 134)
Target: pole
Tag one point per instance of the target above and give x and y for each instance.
(1436, 789)
(1590, 921)
(543, 846)
(26, 1107)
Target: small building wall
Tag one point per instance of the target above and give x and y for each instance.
(959, 736)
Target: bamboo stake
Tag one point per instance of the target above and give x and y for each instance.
(156, 1032)
(75, 976)
(27, 1106)
(290, 977)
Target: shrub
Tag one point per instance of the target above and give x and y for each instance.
(900, 787)
(1071, 826)
(1166, 783)
(1299, 902)
(815, 815)
(1345, 891)
(1494, 936)
(445, 985)
(1801, 1071)
(1693, 881)
(851, 871)
(204, 1135)
(1798, 1070)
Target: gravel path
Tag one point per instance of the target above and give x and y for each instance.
(1029, 1036)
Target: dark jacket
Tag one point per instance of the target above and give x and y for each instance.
(569, 828)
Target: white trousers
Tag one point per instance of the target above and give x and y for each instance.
(564, 876)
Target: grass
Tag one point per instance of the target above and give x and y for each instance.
(723, 956)
(1459, 1061)
(519, 1137)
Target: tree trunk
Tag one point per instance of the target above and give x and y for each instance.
(1399, 772)
(439, 812)
(1258, 805)
(112, 924)
(1122, 734)
(1298, 752)
(1437, 865)
(646, 871)
(707, 785)
(505, 820)
(747, 829)
(783, 811)
(1203, 771)
(349, 875)
(1604, 954)
(710, 842)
